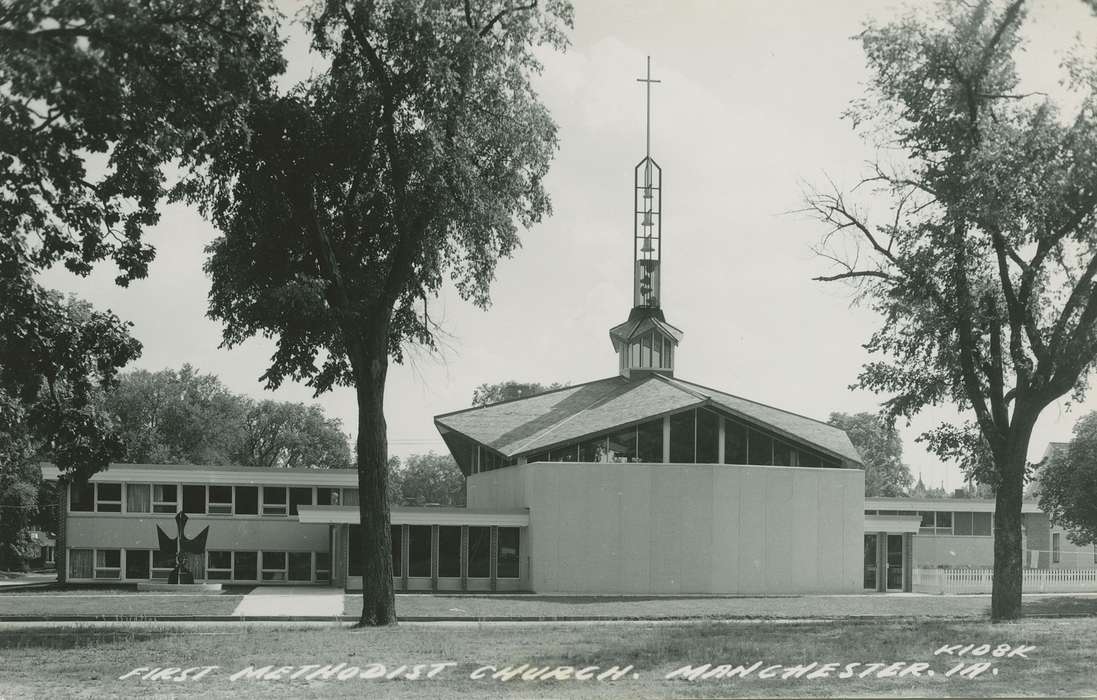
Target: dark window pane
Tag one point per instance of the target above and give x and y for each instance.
(962, 524)
(300, 566)
(165, 498)
(508, 553)
(245, 566)
(567, 453)
(593, 450)
(649, 441)
(944, 518)
(194, 499)
(219, 560)
(981, 524)
(543, 457)
(419, 551)
(831, 463)
(682, 438)
(323, 566)
(708, 437)
(160, 560)
(449, 551)
(274, 566)
(782, 454)
(137, 563)
(761, 448)
(247, 500)
(82, 498)
(354, 551)
(809, 459)
(110, 492)
(395, 532)
(479, 552)
(735, 443)
(220, 494)
(622, 446)
(299, 497)
(327, 497)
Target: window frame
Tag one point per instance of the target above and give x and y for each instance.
(159, 505)
(274, 510)
(109, 502)
(220, 505)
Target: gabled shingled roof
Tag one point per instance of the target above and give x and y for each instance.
(532, 424)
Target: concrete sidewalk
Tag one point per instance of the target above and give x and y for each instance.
(291, 601)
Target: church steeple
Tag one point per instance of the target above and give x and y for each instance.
(646, 342)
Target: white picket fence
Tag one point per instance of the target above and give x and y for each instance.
(980, 580)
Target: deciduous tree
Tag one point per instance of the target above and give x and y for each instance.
(881, 450)
(430, 479)
(414, 156)
(980, 249)
(1066, 483)
(505, 391)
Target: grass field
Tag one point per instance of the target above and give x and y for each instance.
(115, 602)
(88, 662)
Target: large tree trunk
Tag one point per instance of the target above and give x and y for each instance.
(1005, 601)
(378, 599)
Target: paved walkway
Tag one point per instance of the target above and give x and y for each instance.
(291, 601)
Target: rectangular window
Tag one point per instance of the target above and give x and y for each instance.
(708, 437)
(299, 496)
(108, 563)
(621, 446)
(162, 564)
(194, 499)
(108, 498)
(944, 522)
(327, 496)
(593, 450)
(80, 563)
(682, 438)
(926, 526)
(479, 552)
(350, 497)
(962, 523)
(138, 498)
(419, 551)
(219, 566)
(982, 524)
(396, 533)
(300, 566)
(274, 500)
(567, 453)
(220, 500)
(805, 458)
(245, 566)
(165, 498)
(657, 351)
(138, 564)
(82, 498)
(782, 454)
(247, 500)
(509, 561)
(323, 567)
(649, 441)
(1055, 551)
(735, 443)
(449, 551)
(274, 566)
(645, 351)
(761, 448)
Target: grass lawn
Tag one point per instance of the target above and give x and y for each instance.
(632, 607)
(66, 661)
(118, 601)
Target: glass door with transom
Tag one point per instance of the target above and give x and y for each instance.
(895, 562)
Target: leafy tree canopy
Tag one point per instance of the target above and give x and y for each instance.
(412, 158)
(186, 417)
(1066, 483)
(979, 247)
(505, 391)
(428, 479)
(881, 449)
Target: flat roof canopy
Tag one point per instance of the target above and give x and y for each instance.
(422, 515)
(893, 524)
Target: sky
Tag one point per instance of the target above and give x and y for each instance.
(748, 115)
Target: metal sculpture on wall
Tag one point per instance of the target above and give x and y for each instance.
(181, 546)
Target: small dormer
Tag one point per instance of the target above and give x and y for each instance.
(645, 343)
